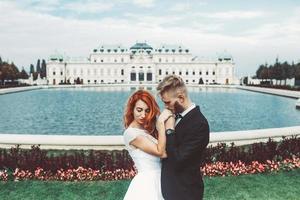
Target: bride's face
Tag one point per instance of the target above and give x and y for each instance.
(140, 112)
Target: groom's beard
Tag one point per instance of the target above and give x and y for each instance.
(178, 108)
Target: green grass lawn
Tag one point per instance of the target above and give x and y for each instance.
(281, 186)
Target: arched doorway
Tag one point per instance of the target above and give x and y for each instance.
(201, 81)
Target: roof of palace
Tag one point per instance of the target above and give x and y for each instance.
(224, 56)
(139, 45)
(110, 48)
(56, 56)
(165, 48)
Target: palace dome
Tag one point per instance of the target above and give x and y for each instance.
(139, 46)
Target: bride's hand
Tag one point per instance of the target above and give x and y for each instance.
(163, 117)
(170, 123)
(165, 114)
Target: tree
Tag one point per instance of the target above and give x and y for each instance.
(43, 69)
(23, 74)
(258, 71)
(38, 66)
(0, 60)
(9, 72)
(297, 71)
(31, 69)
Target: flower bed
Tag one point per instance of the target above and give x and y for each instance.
(221, 160)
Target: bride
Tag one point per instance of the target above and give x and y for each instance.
(145, 141)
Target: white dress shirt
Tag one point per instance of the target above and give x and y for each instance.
(185, 112)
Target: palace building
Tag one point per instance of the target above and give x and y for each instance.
(140, 64)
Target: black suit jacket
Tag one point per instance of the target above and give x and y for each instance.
(181, 178)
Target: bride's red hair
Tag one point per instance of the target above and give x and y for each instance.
(150, 119)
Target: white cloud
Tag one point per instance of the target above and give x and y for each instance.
(180, 7)
(26, 36)
(229, 15)
(185, 6)
(144, 3)
(89, 7)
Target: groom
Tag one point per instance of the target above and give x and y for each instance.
(186, 140)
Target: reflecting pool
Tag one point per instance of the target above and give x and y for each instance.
(99, 110)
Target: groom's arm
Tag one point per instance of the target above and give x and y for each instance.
(195, 140)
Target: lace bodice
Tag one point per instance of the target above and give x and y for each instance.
(142, 160)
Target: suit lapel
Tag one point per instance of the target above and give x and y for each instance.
(180, 127)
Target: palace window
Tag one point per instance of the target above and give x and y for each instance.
(180, 73)
(187, 73)
(207, 73)
(159, 72)
(200, 73)
(214, 73)
(133, 76)
(149, 76)
(61, 73)
(141, 76)
(122, 71)
(159, 60)
(53, 73)
(95, 81)
(193, 72)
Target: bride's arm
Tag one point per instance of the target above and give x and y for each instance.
(149, 146)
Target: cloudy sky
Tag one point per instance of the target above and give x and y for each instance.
(253, 32)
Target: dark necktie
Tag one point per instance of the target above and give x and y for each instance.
(178, 116)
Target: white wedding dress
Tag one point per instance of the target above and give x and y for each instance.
(146, 184)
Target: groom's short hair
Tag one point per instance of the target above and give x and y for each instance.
(171, 82)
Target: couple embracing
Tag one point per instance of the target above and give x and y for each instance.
(166, 147)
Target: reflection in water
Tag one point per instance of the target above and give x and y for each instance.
(99, 110)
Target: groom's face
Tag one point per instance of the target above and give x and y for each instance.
(172, 101)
